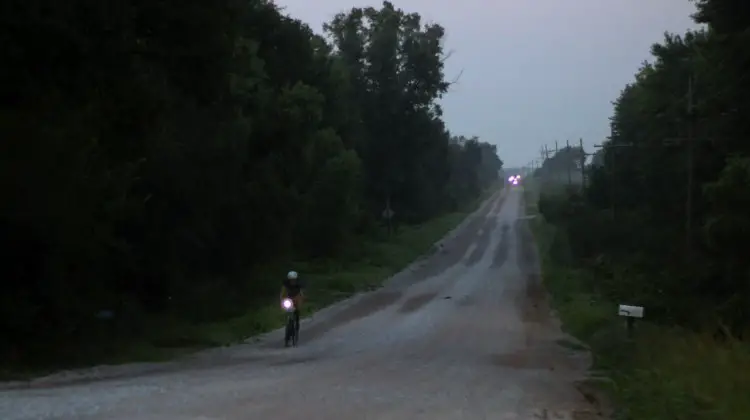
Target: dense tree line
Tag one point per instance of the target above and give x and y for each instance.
(155, 153)
(682, 252)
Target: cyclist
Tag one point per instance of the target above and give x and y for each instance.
(292, 288)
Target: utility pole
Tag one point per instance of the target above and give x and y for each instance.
(690, 141)
(612, 189)
(583, 163)
(567, 162)
(612, 180)
(690, 151)
(556, 155)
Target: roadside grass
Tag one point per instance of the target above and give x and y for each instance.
(661, 372)
(327, 282)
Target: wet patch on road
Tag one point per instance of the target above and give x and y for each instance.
(466, 301)
(416, 302)
(497, 205)
(501, 252)
(483, 242)
(453, 251)
(368, 305)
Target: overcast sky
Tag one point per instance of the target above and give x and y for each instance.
(534, 71)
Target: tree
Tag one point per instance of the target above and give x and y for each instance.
(178, 147)
(693, 94)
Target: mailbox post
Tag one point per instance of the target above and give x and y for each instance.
(630, 313)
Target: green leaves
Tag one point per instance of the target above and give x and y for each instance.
(675, 172)
(179, 146)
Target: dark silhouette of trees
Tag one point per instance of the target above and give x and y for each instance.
(155, 153)
(677, 246)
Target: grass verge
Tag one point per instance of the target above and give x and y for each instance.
(328, 282)
(659, 373)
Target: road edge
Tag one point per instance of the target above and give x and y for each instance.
(111, 372)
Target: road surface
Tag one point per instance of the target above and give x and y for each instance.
(463, 334)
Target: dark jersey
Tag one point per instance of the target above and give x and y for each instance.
(293, 287)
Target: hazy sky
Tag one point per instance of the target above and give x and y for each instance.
(534, 71)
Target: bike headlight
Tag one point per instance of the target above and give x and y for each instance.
(287, 304)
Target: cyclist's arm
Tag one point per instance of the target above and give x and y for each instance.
(283, 293)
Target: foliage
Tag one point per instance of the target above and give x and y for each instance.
(635, 234)
(684, 253)
(662, 371)
(156, 156)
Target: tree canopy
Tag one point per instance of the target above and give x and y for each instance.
(155, 153)
(670, 192)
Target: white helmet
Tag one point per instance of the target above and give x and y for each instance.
(292, 275)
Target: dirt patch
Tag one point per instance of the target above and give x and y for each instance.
(523, 359)
(416, 302)
(517, 359)
(536, 307)
(539, 353)
(528, 260)
(368, 305)
(534, 302)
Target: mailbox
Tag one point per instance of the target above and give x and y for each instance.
(631, 311)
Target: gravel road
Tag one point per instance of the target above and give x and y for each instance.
(463, 334)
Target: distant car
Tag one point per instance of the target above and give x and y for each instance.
(514, 179)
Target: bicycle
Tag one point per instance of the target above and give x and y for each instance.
(292, 325)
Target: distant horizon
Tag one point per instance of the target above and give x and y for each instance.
(550, 72)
